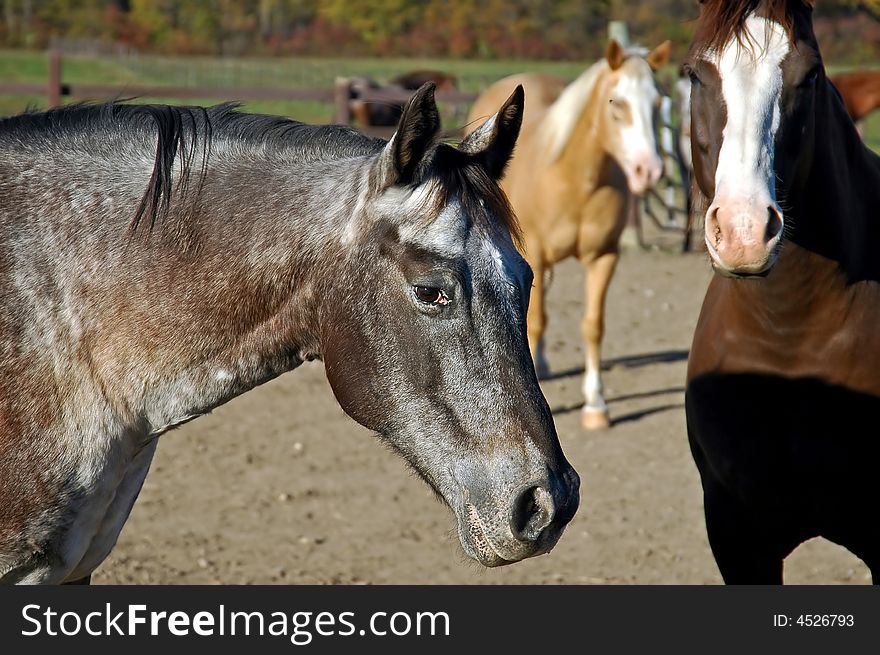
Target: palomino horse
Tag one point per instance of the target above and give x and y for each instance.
(158, 261)
(860, 91)
(586, 149)
(783, 389)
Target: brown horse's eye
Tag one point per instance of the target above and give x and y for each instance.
(810, 78)
(431, 295)
(692, 75)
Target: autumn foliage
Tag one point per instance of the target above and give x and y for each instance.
(547, 29)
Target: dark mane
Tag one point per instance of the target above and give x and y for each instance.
(185, 135)
(460, 174)
(722, 20)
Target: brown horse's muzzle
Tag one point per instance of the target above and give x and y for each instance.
(743, 235)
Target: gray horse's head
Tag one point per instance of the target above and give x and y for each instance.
(424, 337)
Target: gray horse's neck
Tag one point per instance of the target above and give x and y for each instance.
(113, 330)
(248, 305)
(156, 326)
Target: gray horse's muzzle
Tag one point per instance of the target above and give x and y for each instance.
(498, 529)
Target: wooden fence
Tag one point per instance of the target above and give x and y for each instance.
(340, 96)
(663, 207)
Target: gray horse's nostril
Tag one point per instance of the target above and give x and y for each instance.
(532, 511)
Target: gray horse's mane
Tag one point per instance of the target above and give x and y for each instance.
(183, 135)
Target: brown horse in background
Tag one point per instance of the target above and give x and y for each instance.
(586, 150)
(860, 91)
(371, 113)
(783, 389)
(416, 79)
(387, 112)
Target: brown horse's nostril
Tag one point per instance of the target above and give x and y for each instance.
(713, 226)
(774, 224)
(532, 511)
(640, 171)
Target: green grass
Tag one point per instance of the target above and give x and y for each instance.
(286, 72)
(216, 72)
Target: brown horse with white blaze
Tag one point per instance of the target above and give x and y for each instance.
(783, 389)
(586, 150)
(157, 261)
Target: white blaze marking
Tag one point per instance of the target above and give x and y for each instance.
(510, 266)
(751, 84)
(641, 95)
(507, 261)
(496, 257)
(443, 234)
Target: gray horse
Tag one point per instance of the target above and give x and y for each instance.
(157, 261)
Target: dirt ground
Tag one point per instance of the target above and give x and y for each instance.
(280, 487)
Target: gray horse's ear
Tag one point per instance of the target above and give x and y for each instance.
(416, 134)
(493, 142)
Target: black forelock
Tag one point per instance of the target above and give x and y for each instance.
(462, 176)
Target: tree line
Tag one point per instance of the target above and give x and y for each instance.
(545, 29)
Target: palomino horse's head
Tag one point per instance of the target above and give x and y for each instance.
(627, 121)
(754, 68)
(426, 343)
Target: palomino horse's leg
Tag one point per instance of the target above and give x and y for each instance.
(537, 316)
(599, 271)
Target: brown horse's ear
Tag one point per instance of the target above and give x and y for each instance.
(659, 56)
(615, 54)
(416, 134)
(492, 143)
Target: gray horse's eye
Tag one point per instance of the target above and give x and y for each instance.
(431, 295)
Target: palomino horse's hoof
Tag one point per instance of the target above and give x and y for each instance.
(593, 418)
